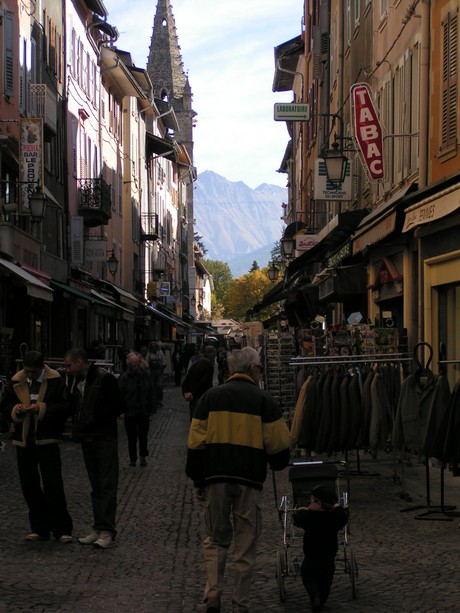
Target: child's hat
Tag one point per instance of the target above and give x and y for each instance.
(324, 494)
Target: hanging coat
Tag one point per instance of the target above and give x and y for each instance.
(412, 413)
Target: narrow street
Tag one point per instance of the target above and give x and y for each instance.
(405, 565)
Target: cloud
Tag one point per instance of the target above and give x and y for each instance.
(228, 52)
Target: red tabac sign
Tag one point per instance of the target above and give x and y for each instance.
(367, 130)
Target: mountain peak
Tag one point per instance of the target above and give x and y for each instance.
(238, 224)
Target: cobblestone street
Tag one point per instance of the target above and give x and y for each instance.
(405, 564)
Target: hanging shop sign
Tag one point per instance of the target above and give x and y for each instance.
(291, 112)
(367, 130)
(304, 242)
(95, 251)
(30, 159)
(325, 190)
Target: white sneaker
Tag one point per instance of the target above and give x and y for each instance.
(104, 541)
(90, 539)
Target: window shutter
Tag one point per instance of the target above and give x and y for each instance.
(8, 75)
(76, 240)
(74, 146)
(449, 80)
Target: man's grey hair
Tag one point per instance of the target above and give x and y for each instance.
(241, 360)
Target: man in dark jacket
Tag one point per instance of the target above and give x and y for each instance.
(96, 405)
(199, 378)
(137, 390)
(235, 430)
(35, 403)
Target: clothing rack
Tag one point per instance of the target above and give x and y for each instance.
(351, 360)
(438, 512)
(323, 360)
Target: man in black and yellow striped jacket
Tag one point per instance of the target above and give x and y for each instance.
(236, 429)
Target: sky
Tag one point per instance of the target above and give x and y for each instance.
(227, 50)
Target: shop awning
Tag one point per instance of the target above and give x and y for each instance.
(167, 316)
(34, 286)
(275, 294)
(380, 222)
(436, 206)
(125, 297)
(128, 315)
(331, 236)
(73, 291)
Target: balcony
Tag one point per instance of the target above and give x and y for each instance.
(150, 229)
(43, 104)
(95, 202)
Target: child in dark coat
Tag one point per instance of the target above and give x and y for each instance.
(321, 520)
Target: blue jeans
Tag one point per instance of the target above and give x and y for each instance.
(101, 460)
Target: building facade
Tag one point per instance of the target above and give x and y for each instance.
(84, 134)
(381, 244)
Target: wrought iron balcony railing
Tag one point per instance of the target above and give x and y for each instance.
(95, 205)
(42, 103)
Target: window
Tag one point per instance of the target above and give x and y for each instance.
(449, 79)
(348, 22)
(357, 12)
(8, 54)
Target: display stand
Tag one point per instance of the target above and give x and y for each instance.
(433, 513)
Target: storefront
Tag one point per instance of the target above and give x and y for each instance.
(435, 223)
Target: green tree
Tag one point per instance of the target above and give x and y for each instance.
(275, 253)
(222, 279)
(254, 266)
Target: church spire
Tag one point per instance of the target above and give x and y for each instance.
(165, 66)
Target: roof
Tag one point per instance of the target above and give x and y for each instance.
(286, 56)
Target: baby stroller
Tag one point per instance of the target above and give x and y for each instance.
(304, 476)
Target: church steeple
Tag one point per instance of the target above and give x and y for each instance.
(165, 66)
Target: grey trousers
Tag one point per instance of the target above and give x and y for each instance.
(101, 461)
(232, 512)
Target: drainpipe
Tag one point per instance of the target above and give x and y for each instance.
(423, 149)
(302, 78)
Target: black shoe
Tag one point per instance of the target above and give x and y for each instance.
(213, 609)
(143, 462)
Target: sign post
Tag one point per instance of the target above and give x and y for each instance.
(290, 111)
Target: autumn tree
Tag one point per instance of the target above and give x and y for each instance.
(245, 292)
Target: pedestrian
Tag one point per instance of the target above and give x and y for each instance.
(157, 364)
(35, 403)
(178, 364)
(96, 404)
(199, 378)
(321, 521)
(237, 427)
(137, 390)
(197, 354)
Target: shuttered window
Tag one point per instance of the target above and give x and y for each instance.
(8, 61)
(449, 79)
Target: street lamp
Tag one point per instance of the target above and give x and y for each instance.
(37, 201)
(193, 301)
(336, 163)
(112, 264)
(287, 246)
(273, 271)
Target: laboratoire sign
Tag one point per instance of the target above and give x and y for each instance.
(367, 130)
(30, 158)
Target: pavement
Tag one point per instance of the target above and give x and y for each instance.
(407, 553)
